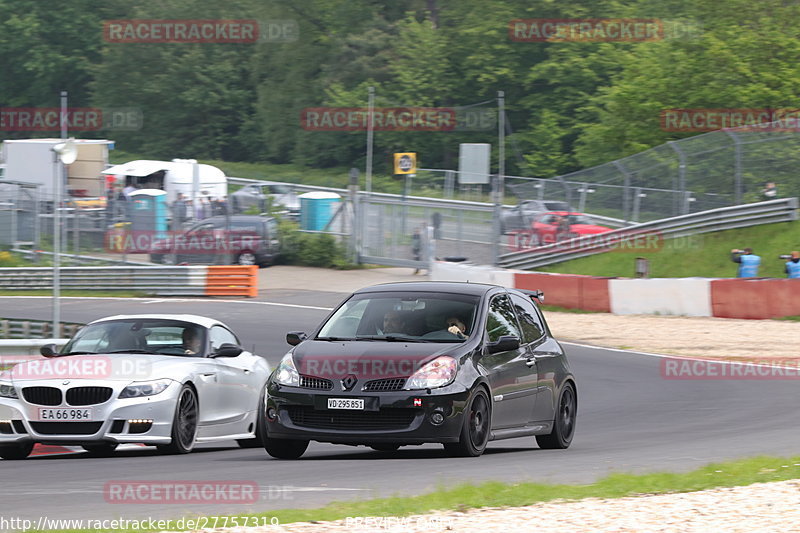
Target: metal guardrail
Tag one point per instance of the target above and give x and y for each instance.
(154, 280)
(724, 218)
(25, 329)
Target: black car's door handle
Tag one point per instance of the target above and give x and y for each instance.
(530, 362)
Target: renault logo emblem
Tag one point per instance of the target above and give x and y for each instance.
(349, 382)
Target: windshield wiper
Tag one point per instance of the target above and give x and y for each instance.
(333, 339)
(78, 353)
(135, 351)
(389, 338)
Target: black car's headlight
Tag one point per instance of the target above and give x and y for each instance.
(139, 389)
(286, 373)
(7, 390)
(438, 373)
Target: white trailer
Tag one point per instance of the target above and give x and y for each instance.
(194, 180)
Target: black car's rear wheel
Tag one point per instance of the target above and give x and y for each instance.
(13, 452)
(564, 422)
(285, 448)
(184, 424)
(100, 450)
(475, 429)
(246, 258)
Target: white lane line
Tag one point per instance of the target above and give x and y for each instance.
(686, 357)
(176, 300)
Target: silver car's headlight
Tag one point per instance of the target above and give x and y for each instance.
(286, 373)
(139, 389)
(7, 390)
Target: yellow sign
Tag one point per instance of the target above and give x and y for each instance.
(405, 163)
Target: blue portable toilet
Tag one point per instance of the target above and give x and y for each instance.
(317, 209)
(148, 212)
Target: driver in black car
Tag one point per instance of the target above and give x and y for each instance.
(393, 322)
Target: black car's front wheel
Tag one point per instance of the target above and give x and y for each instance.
(15, 452)
(563, 423)
(184, 424)
(285, 448)
(475, 428)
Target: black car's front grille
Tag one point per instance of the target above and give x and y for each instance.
(66, 428)
(383, 385)
(310, 382)
(42, 395)
(385, 419)
(88, 395)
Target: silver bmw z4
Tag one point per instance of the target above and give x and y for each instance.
(165, 380)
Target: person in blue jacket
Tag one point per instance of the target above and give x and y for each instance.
(793, 266)
(748, 262)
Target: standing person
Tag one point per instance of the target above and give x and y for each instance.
(416, 247)
(129, 188)
(437, 223)
(179, 210)
(748, 262)
(793, 266)
(770, 191)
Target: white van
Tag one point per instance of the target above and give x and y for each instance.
(171, 176)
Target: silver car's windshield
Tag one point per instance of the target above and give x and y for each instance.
(166, 337)
(418, 317)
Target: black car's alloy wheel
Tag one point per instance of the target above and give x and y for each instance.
(246, 258)
(564, 422)
(16, 451)
(475, 429)
(100, 450)
(184, 425)
(285, 448)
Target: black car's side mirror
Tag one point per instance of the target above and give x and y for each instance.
(49, 350)
(504, 344)
(295, 337)
(227, 350)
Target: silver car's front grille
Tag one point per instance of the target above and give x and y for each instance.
(66, 428)
(88, 395)
(42, 395)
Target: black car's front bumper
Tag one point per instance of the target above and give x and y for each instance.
(401, 417)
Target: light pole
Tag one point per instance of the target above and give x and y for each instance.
(66, 153)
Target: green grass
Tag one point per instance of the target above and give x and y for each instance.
(495, 494)
(794, 318)
(706, 255)
(557, 309)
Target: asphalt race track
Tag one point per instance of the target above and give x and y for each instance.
(630, 419)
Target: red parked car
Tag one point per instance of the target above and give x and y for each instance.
(554, 226)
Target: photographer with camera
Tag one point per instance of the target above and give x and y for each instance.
(792, 268)
(748, 262)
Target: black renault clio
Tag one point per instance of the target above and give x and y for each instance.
(399, 364)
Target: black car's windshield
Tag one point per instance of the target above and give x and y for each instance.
(136, 335)
(403, 317)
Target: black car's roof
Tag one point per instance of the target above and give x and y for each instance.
(477, 289)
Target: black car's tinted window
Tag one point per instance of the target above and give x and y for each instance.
(532, 328)
(501, 320)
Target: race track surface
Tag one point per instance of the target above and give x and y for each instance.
(630, 419)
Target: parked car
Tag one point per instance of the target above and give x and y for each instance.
(560, 225)
(398, 364)
(169, 381)
(521, 215)
(250, 240)
(260, 194)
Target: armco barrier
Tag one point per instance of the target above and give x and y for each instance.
(755, 298)
(150, 280)
(232, 281)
